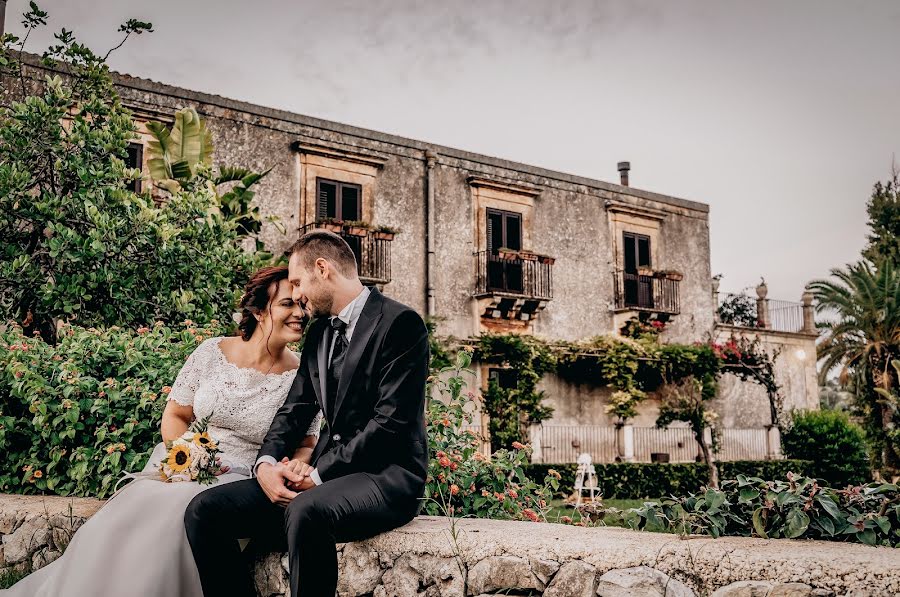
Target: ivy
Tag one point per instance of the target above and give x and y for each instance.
(684, 376)
(513, 409)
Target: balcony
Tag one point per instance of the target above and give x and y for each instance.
(513, 285)
(657, 293)
(372, 247)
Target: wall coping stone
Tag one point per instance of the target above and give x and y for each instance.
(498, 555)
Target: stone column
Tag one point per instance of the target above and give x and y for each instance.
(625, 437)
(773, 443)
(762, 305)
(809, 313)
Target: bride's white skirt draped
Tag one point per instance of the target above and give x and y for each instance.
(134, 545)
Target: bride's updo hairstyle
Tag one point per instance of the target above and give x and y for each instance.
(257, 297)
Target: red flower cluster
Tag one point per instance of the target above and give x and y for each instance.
(727, 351)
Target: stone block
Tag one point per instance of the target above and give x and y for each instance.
(426, 575)
(745, 588)
(792, 589)
(640, 581)
(359, 572)
(29, 537)
(543, 569)
(574, 579)
(501, 572)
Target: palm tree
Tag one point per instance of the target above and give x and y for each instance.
(862, 339)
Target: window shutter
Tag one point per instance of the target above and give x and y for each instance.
(135, 159)
(513, 238)
(350, 203)
(494, 231)
(643, 251)
(327, 201)
(629, 252)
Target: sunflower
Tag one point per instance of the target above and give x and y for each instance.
(179, 458)
(204, 441)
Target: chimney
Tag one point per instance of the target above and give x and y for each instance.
(2, 16)
(624, 167)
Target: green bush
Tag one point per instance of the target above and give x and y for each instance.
(463, 482)
(74, 416)
(793, 509)
(635, 480)
(75, 243)
(833, 442)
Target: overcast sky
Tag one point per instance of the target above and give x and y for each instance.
(779, 115)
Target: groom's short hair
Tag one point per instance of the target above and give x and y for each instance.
(328, 245)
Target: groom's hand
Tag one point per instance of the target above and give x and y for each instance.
(302, 469)
(273, 479)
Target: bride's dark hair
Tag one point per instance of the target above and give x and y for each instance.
(257, 297)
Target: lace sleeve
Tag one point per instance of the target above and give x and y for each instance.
(316, 425)
(192, 371)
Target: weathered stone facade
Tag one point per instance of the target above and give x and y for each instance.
(493, 557)
(578, 222)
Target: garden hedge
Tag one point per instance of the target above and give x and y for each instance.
(636, 480)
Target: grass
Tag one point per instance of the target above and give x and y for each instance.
(559, 508)
(11, 577)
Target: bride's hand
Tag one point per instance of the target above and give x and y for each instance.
(301, 469)
(223, 468)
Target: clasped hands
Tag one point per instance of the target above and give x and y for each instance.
(281, 482)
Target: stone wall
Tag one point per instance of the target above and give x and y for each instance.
(522, 558)
(742, 404)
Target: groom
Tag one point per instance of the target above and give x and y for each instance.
(364, 364)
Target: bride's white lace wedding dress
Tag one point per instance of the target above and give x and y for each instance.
(136, 543)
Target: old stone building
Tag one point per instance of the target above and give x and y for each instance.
(484, 244)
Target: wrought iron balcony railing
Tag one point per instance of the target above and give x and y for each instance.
(371, 248)
(522, 275)
(638, 292)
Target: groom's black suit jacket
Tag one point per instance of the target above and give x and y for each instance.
(377, 422)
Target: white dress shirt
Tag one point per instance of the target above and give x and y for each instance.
(349, 315)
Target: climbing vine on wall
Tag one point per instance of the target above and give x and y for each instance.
(747, 360)
(516, 404)
(631, 366)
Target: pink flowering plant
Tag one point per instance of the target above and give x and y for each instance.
(74, 416)
(462, 480)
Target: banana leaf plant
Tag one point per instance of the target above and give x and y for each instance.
(182, 157)
(175, 155)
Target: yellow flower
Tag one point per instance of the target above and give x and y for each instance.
(204, 441)
(179, 458)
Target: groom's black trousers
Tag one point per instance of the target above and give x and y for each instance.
(348, 508)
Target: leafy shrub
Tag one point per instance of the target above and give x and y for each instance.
(797, 508)
(637, 480)
(461, 480)
(75, 243)
(835, 443)
(74, 416)
(738, 309)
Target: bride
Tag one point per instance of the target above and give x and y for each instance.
(136, 543)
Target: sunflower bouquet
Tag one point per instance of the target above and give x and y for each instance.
(192, 457)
